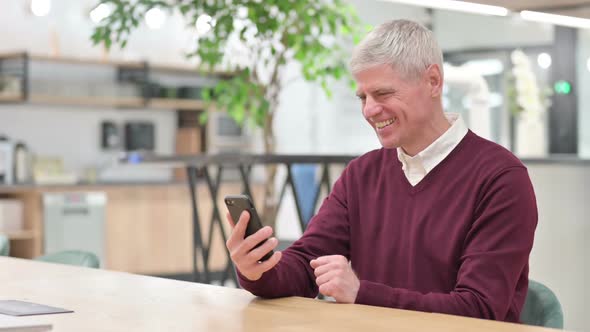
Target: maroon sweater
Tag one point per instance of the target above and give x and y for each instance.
(456, 243)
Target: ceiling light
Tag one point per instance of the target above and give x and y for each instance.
(570, 21)
(544, 60)
(203, 24)
(155, 18)
(461, 6)
(101, 12)
(40, 7)
(485, 67)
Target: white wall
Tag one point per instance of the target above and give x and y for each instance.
(560, 254)
(74, 135)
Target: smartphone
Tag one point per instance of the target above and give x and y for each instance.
(238, 203)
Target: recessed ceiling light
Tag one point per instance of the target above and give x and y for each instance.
(40, 7)
(462, 6)
(544, 60)
(155, 18)
(570, 21)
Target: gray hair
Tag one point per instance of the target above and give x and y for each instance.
(406, 45)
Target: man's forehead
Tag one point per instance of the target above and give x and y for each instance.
(373, 86)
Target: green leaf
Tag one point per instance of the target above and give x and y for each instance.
(203, 117)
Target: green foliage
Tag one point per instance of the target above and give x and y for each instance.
(511, 94)
(316, 33)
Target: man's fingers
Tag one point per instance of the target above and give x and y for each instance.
(327, 289)
(327, 259)
(269, 263)
(253, 240)
(257, 253)
(326, 277)
(322, 269)
(239, 231)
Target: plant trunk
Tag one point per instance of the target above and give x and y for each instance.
(271, 201)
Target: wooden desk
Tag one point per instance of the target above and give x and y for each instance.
(117, 301)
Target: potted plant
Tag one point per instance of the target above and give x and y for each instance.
(270, 33)
(528, 103)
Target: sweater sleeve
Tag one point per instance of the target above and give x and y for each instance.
(495, 255)
(327, 234)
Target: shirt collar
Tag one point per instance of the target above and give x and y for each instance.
(428, 158)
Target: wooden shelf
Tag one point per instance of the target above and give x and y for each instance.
(87, 61)
(181, 104)
(130, 102)
(88, 101)
(20, 235)
(10, 98)
(188, 70)
(12, 55)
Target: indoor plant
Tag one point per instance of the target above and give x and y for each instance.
(269, 35)
(528, 103)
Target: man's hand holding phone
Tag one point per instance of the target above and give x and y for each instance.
(245, 254)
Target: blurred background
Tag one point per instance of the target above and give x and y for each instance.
(71, 111)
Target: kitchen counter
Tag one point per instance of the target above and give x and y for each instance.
(85, 185)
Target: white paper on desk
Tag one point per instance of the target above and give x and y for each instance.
(21, 324)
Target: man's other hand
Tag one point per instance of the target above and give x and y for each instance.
(335, 278)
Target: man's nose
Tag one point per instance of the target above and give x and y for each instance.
(371, 108)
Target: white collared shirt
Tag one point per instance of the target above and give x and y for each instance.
(415, 168)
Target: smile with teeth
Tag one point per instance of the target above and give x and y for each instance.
(383, 124)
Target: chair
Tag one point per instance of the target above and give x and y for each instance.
(541, 307)
(71, 257)
(4, 245)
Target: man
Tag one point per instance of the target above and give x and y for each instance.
(438, 220)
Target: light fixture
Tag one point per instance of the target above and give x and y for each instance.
(588, 64)
(40, 7)
(485, 67)
(100, 12)
(570, 21)
(462, 6)
(544, 60)
(203, 24)
(155, 18)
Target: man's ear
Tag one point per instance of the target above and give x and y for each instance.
(434, 78)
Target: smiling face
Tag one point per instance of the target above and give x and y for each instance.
(404, 113)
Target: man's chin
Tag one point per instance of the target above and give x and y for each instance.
(389, 145)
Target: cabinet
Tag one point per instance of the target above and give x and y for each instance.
(148, 227)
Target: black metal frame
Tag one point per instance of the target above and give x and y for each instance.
(198, 168)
